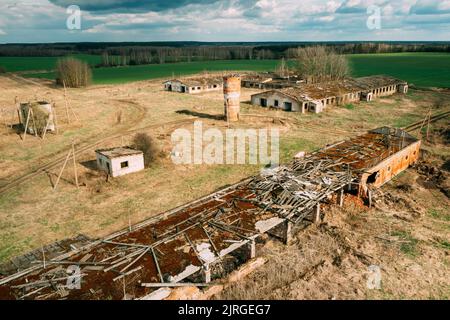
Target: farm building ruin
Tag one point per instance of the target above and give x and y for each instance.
(120, 161)
(267, 81)
(194, 85)
(37, 117)
(316, 97)
(194, 242)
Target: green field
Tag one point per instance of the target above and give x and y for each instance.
(20, 64)
(420, 69)
(155, 71)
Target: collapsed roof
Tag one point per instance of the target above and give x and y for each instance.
(318, 91)
(199, 81)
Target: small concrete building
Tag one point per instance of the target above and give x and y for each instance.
(194, 85)
(39, 116)
(120, 161)
(316, 98)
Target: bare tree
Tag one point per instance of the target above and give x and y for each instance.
(73, 73)
(317, 64)
(145, 143)
(282, 68)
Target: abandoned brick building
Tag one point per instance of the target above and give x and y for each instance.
(316, 97)
(194, 85)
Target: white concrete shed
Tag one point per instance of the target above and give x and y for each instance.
(120, 161)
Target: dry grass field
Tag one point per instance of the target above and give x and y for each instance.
(32, 214)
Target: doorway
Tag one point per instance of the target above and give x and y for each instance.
(288, 106)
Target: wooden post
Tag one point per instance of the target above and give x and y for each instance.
(46, 128)
(207, 273)
(68, 106)
(65, 102)
(252, 249)
(288, 233)
(124, 290)
(317, 213)
(43, 256)
(26, 125)
(34, 123)
(74, 163)
(17, 106)
(341, 197)
(54, 117)
(62, 169)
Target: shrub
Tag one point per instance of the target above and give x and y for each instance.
(350, 106)
(2, 69)
(145, 143)
(73, 73)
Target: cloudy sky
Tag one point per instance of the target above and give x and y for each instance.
(224, 20)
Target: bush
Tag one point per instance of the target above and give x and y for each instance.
(350, 106)
(73, 73)
(145, 143)
(2, 69)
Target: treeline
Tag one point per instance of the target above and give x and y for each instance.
(34, 50)
(115, 54)
(119, 56)
(377, 47)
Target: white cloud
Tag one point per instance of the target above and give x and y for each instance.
(232, 20)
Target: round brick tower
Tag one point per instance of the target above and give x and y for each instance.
(232, 95)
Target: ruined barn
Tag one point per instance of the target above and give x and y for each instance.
(372, 158)
(379, 86)
(317, 97)
(120, 161)
(194, 85)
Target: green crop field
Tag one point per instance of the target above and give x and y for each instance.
(420, 69)
(20, 64)
(155, 71)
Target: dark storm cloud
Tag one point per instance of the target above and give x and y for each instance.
(129, 5)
